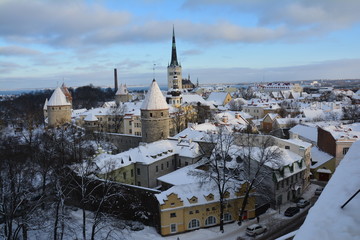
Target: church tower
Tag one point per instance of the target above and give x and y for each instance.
(58, 109)
(154, 115)
(174, 68)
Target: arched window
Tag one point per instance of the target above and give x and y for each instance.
(211, 220)
(194, 223)
(227, 217)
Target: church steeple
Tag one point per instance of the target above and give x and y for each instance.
(174, 61)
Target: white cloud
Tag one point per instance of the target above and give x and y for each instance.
(17, 51)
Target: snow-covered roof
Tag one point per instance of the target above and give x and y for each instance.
(91, 118)
(195, 98)
(323, 170)
(181, 176)
(272, 115)
(45, 104)
(154, 99)
(343, 132)
(122, 90)
(217, 97)
(150, 153)
(231, 118)
(319, 157)
(284, 121)
(58, 98)
(298, 142)
(186, 191)
(306, 132)
(319, 223)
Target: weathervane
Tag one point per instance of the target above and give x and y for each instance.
(154, 71)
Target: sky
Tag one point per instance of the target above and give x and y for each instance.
(80, 42)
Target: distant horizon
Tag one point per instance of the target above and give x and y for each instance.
(81, 42)
(164, 86)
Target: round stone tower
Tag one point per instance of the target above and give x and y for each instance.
(154, 115)
(58, 109)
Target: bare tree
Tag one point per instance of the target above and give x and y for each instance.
(217, 166)
(117, 115)
(95, 194)
(257, 154)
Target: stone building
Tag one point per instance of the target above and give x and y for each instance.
(58, 109)
(154, 115)
(122, 95)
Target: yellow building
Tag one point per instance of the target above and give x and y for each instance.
(192, 206)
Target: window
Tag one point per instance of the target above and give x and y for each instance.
(196, 211)
(157, 168)
(139, 183)
(282, 184)
(124, 175)
(150, 114)
(173, 228)
(186, 163)
(213, 208)
(172, 215)
(345, 150)
(194, 223)
(138, 171)
(167, 164)
(287, 147)
(211, 220)
(207, 209)
(130, 123)
(227, 217)
(162, 166)
(132, 173)
(162, 114)
(191, 212)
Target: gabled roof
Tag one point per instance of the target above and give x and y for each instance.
(58, 98)
(217, 97)
(154, 99)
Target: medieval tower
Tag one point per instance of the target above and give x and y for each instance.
(154, 115)
(174, 68)
(58, 108)
(122, 95)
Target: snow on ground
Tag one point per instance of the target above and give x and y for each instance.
(119, 229)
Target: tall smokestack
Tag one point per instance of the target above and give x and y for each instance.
(115, 80)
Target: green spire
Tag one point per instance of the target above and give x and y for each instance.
(174, 61)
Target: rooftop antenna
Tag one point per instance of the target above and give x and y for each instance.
(154, 71)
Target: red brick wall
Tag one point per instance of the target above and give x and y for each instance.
(326, 142)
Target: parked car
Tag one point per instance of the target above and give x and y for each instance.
(302, 203)
(318, 191)
(255, 229)
(291, 211)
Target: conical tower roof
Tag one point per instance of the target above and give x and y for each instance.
(174, 61)
(45, 104)
(154, 99)
(58, 98)
(122, 90)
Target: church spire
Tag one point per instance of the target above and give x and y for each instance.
(174, 61)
